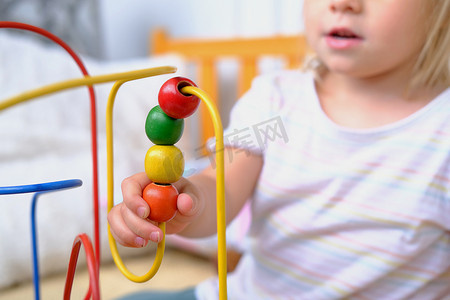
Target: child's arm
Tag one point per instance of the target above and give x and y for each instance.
(196, 216)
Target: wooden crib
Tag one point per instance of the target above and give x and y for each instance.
(206, 52)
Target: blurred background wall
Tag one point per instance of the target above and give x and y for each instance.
(118, 29)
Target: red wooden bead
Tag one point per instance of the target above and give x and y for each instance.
(173, 102)
(162, 199)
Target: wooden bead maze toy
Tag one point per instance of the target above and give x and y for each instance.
(164, 162)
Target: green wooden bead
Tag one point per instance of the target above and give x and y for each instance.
(162, 129)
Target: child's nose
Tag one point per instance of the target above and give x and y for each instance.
(352, 6)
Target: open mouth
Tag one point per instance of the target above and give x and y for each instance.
(343, 34)
(342, 39)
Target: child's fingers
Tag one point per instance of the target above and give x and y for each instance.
(186, 205)
(121, 232)
(141, 227)
(187, 212)
(132, 194)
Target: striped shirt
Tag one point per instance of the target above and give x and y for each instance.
(341, 213)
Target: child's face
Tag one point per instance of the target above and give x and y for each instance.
(365, 38)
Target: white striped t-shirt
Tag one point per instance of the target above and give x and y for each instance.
(341, 213)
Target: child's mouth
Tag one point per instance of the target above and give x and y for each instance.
(342, 33)
(342, 38)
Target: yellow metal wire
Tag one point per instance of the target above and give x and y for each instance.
(220, 192)
(220, 187)
(110, 192)
(120, 79)
(88, 80)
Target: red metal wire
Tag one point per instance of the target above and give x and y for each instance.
(76, 58)
(93, 267)
(95, 201)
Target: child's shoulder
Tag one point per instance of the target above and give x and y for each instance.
(284, 86)
(276, 93)
(283, 78)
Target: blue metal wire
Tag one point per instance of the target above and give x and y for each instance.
(38, 189)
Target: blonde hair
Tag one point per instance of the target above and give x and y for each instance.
(433, 64)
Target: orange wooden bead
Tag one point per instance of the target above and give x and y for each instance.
(162, 199)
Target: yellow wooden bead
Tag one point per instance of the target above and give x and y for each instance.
(164, 163)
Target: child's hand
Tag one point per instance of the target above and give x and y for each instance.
(128, 220)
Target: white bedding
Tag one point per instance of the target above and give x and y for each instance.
(49, 139)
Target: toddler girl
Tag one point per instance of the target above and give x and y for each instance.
(350, 199)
